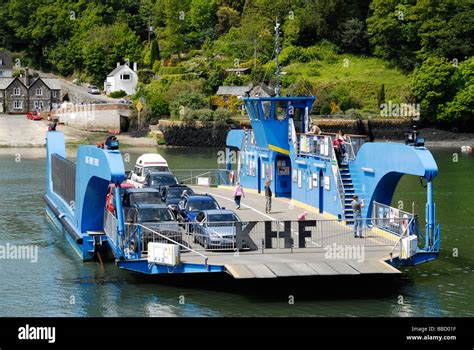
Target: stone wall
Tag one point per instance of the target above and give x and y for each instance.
(92, 117)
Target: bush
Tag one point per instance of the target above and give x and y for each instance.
(204, 115)
(222, 116)
(118, 94)
(192, 100)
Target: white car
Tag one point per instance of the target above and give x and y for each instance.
(94, 90)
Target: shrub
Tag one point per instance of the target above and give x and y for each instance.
(192, 100)
(118, 94)
(222, 116)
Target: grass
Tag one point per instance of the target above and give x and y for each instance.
(363, 77)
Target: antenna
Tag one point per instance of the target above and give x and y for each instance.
(277, 52)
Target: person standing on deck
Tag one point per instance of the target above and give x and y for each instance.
(238, 194)
(268, 197)
(357, 209)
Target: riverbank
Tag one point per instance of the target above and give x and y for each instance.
(18, 132)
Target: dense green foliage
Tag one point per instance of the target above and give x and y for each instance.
(418, 50)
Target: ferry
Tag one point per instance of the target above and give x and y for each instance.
(303, 173)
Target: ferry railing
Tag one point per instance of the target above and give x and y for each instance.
(204, 177)
(138, 235)
(110, 226)
(275, 236)
(390, 219)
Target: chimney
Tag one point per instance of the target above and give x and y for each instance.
(118, 64)
(134, 66)
(27, 77)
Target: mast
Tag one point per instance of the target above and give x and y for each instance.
(277, 52)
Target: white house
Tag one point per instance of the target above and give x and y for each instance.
(122, 78)
(6, 65)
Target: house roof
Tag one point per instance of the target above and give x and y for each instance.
(5, 82)
(233, 90)
(6, 57)
(118, 69)
(262, 90)
(52, 83)
(240, 70)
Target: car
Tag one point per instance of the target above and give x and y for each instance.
(216, 229)
(135, 196)
(158, 222)
(160, 179)
(94, 90)
(35, 115)
(125, 102)
(173, 194)
(145, 164)
(193, 204)
(109, 201)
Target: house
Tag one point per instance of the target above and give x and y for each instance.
(22, 95)
(6, 65)
(122, 78)
(238, 71)
(227, 97)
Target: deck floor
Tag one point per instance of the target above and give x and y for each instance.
(285, 262)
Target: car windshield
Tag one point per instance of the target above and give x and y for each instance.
(156, 214)
(163, 180)
(145, 198)
(150, 169)
(230, 217)
(177, 192)
(199, 205)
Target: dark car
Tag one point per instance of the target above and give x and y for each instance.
(160, 179)
(216, 229)
(173, 194)
(134, 196)
(158, 224)
(191, 205)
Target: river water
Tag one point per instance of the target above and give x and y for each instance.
(59, 284)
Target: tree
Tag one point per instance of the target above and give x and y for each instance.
(432, 86)
(227, 18)
(353, 37)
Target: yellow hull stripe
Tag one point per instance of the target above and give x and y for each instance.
(279, 149)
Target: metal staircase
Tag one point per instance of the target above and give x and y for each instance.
(349, 192)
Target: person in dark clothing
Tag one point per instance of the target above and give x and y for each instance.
(357, 209)
(268, 197)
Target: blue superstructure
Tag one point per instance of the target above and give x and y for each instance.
(303, 166)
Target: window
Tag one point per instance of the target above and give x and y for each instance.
(16, 91)
(125, 77)
(55, 94)
(255, 110)
(267, 109)
(1, 93)
(281, 110)
(1, 62)
(39, 92)
(1, 73)
(38, 104)
(18, 104)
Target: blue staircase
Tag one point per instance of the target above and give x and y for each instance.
(349, 193)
